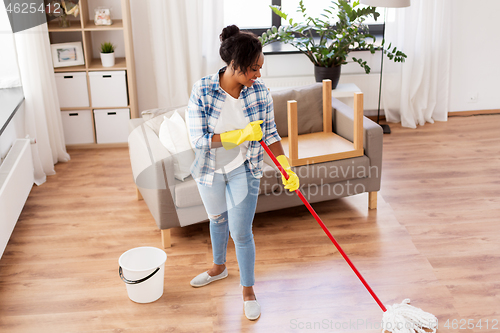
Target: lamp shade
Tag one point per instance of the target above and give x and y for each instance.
(387, 3)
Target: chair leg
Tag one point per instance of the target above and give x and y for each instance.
(165, 238)
(139, 195)
(372, 200)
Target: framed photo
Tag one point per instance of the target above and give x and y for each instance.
(67, 54)
(102, 16)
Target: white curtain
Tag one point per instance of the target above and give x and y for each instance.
(185, 45)
(42, 112)
(417, 91)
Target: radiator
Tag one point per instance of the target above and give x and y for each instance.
(16, 181)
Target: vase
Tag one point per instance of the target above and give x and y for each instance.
(108, 59)
(64, 22)
(332, 73)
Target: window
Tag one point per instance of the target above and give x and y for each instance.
(315, 9)
(256, 16)
(9, 76)
(9, 72)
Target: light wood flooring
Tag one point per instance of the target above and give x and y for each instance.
(434, 239)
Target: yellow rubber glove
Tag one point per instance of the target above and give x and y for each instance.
(292, 184)
(251, 132)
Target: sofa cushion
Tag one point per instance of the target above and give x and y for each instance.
(309, 108)
(153, 113)
(155, 122)
(187, 195)
(334, 171)
(270, 180)
(174, 136)
(134, 123)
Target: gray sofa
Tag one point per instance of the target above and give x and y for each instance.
(175, 203)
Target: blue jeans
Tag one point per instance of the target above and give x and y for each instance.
(230, 204)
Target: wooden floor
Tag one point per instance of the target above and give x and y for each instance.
(443, 183)
(434, 239)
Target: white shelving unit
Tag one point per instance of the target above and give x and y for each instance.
(122, 79)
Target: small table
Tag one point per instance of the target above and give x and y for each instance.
(318, 147)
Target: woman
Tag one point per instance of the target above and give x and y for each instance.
(228, 114)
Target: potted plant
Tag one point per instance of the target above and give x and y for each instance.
(107, 54)
(327, 40)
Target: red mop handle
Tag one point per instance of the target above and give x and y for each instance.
(325, 229)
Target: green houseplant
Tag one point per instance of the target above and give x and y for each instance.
(107, 54)
(327, 40)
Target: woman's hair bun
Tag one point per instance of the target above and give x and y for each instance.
(239, 48)
(229, 31)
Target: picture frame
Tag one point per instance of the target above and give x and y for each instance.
(102, 16)
(67, 54)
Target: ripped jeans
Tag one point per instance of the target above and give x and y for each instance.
(230, 203)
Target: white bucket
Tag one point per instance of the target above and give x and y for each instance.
(143, 271)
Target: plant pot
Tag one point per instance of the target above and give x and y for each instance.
(332, 73)
(108, 59)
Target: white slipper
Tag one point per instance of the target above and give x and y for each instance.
(203, 279)
(252, 309)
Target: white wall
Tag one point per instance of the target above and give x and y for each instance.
(475, 55)
(145, 76)
(474, 67)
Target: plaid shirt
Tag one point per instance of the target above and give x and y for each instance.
(205, 105)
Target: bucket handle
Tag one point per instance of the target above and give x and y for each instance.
(120, 271)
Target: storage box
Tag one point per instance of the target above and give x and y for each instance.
(108, 89)
(72, 89)
(77, 127)
(111, 125)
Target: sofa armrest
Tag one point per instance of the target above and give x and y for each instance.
(153, 170)
(372, 137)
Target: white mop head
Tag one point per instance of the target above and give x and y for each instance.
(404, 318)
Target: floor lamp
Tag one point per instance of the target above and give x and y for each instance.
(386, 4)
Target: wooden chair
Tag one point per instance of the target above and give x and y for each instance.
(323, 146)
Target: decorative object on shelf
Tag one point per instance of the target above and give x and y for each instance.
(67, 54)
(102, 16)
(64, 22)
(61, 9)
(327, 40)
(107, 54)
(386, 4)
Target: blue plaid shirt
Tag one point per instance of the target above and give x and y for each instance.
(205, 105)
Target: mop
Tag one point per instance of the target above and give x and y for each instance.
(398, 318)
